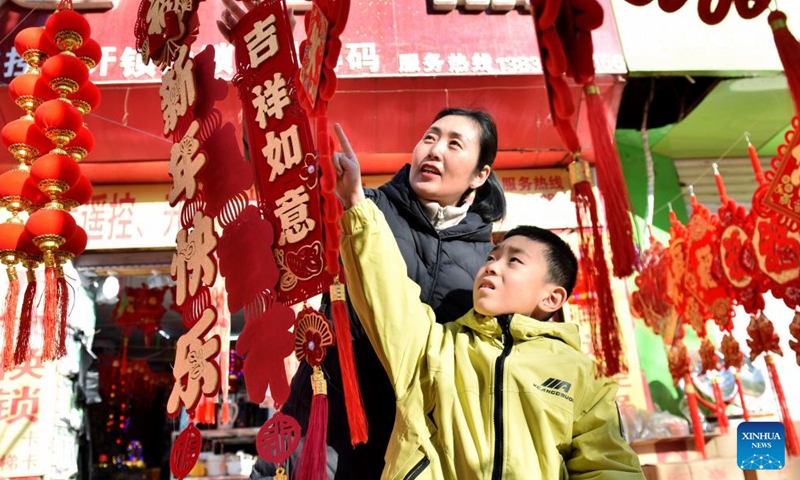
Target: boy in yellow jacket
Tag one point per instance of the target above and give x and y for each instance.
(499, 393)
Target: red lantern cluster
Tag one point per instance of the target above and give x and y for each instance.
(48, 141)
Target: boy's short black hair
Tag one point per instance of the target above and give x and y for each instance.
(562, 266)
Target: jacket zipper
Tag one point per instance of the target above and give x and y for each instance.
(508, 342)
(417, 469)
(436, 270)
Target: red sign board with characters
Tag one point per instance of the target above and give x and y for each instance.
(281, 149)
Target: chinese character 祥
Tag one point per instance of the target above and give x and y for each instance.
(363, 56)
(262, 41)
(184, 163)
(195, 371)
(409, 63)
(282, 153)
(270, 99)
(193, 255)
(458, 63)
(177, 90)
(292, 209)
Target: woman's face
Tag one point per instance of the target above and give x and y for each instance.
(444, 162)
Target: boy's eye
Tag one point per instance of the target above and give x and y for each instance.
(515, 259)
(490, 258)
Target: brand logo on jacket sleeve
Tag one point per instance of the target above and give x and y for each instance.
(556, 386)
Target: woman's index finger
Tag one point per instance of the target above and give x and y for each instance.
(343, 141)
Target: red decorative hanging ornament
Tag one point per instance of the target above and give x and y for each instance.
(65, 73)
(763, 339)
(34, 47)
(604, 325)
(185, 451)
(66, 28)
(734, 358)
(712, 12)
(59, 121)
(89, 53)
(794, 330)
(680, 367)
(651, 302)
(10, 235)
(789, 52)
(25, 140)
(312, 335)
(86, 99)
(710, 366)
(66, 252)
(31, 260)
(82, 145)
(30, 90)
(276, 440)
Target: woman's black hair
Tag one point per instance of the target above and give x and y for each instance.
(490, 201)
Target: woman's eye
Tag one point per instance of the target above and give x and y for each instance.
(455, 144)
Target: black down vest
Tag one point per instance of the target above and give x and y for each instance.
(444, 265)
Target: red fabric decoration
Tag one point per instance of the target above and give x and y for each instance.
(65, 73)
(278, 438)
(58, 120)
(10, 234)
(25, 140)
(33, 46)
(89, 53)
(605, 334)
(55, 173)
(185, 451)
(789, 51)
(710, 365)
(214, 89)
(66, 28)
(81, 145)
(611, 182)
(734, 358)
(79, 194)
(794, 330)
(680, 367)
(86, 99)
(263, 367)
(18, 192)
(707, 13)
(792, 442)
(29, 91)
(32, 259)
(313, 458)
(225, 177)
(651, 301)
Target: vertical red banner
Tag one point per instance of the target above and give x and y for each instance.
(281, 149)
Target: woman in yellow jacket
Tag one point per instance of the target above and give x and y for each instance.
(498, 394)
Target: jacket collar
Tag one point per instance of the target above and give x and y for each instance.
(522, 328)
(472, 228)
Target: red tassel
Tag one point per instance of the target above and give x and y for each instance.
(206, 411)
(63, 311)
(314, 456)
(356, 418)
(50, 320)
(225, 414)
(789, 51)
(612, 186)
(719, 406)
(22, 352)
(745, 412)
(694, 410)
(10, 318)
(605, 330)
(792, 443)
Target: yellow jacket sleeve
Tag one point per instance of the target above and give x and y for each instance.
(599, 451)
(397, 323)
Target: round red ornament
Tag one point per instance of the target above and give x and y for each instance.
(27, 247)
(10, 235)
(90, 53)
(25, 140)
(55, 173)
(312, 336)
(33, 46)
(17, 192)
(87, 98)
(75, 245)
(59, 121)
(67, 29)
(278, 438)
(185, 451)
(29, 91)
(50, 227)
(79, 194)
(65, 73)
(81, 145)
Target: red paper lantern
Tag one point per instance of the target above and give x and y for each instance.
(10, 235)
(33, 46)
(79, 194)
(87, 98)
(65, 73)
(29, 91)
(67, 29)
(90, 53)
(75, 245)
(81, 145)
(25, 140)
(59, 121)
(49, 228)
(18, 193)
(55, 173)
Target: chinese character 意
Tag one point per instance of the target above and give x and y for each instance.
(262, 41)
(177, 90)
(193, 255)
(194, 370)
(185, 162)
(270, 99)
(282, 153)
(362, 56)
(292, 209)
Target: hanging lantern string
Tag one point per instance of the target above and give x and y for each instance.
(709, 169)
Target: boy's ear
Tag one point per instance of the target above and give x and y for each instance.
(554, 300)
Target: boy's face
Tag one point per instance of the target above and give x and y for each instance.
(513, 281)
